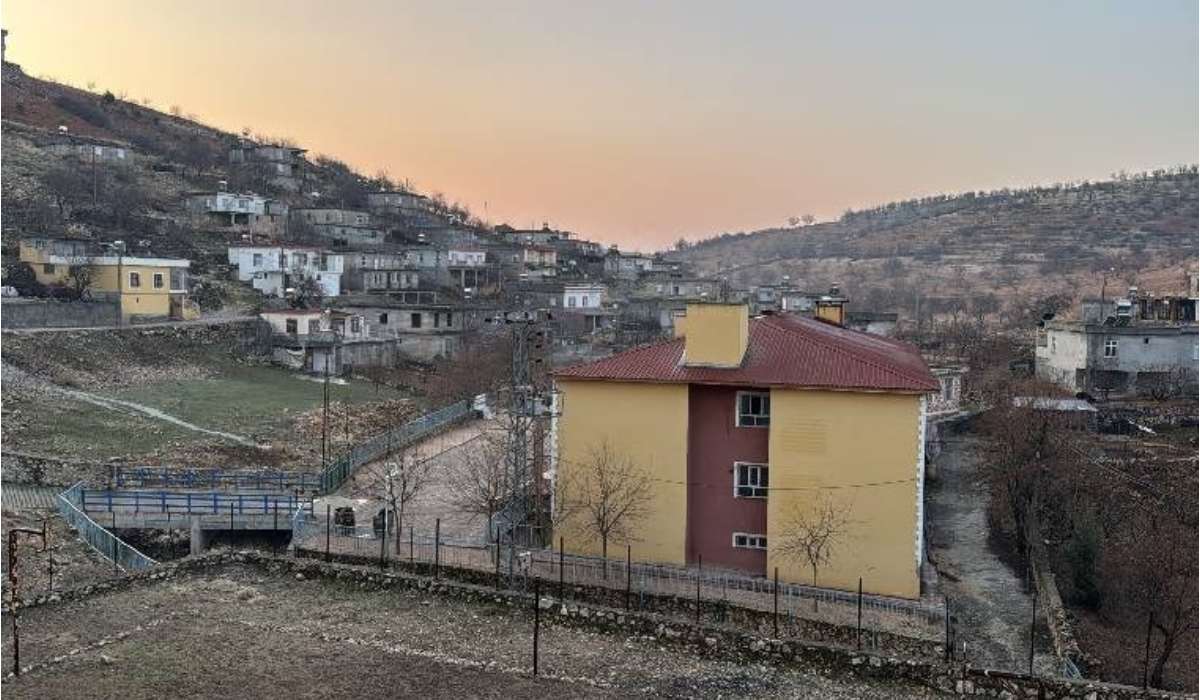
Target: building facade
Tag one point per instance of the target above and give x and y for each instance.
(742, 424)
(1135, 345)
(147, 288)
(272, 270)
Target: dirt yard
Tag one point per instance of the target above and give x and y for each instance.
(243, 633)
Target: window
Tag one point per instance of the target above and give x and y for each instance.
(1110, 347)
(314, 326)
(356, 325)
(571, 301)
(743, 540)
(290, 326)
(48, 268)
(257, 261)
(415, 321)
(1145, 341)
(1053, 345)
(947, 389)
(749, 480)
(135, 279)
(383, 319)
(754, 409)
(437, 319)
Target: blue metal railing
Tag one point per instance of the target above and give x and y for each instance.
(340, 469)
(103, 541)
(259, 480)
(211, 503)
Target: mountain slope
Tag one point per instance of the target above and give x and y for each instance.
(1008, 245)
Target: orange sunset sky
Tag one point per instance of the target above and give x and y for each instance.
(638, 123)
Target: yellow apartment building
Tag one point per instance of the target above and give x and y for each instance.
(741, 424)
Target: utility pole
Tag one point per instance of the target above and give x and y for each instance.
(325, 415)
(526, 405)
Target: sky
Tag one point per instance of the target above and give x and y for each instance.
(640, 123)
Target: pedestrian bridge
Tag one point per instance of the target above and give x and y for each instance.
(214, 510)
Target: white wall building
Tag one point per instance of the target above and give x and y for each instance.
(273, 269)
(583, 296)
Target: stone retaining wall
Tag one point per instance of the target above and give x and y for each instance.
(711, 641)
(44, 470)
(750, 619)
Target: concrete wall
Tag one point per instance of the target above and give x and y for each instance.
(863, 452)
(646, 423)
(47, 313)
(1139, 350)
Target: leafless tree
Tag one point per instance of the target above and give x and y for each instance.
(808, 219)
(306, 293)
(67, 186)
(614, 495)
(481, 485)
(81, 273)
(398, 479)
(813, 532)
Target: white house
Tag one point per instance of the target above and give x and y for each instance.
(466, 257)
(583, 296)
(273, 269)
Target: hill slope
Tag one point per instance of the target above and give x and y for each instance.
(1010, 245)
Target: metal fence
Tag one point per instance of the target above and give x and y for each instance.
(517, 565)
(103, 541)
(244, 480)
(341, 467)
(213, 503)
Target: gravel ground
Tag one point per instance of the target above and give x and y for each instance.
(988, 601)
(244, 633)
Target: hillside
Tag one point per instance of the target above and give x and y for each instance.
(143, 201)
(994, 250)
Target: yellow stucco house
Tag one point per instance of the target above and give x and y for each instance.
(145, 287)
(741, 424)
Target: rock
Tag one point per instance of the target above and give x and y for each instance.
(710, 641)
(299, 577)
(108, 660)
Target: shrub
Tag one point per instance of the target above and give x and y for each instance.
(1082, 552)
(90, 113)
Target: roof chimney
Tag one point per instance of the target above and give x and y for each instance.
(716, 334)
(832, 307)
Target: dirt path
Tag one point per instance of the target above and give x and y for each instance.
(119, 404)
(988, 600)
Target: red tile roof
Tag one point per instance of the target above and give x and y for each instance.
(784, 351)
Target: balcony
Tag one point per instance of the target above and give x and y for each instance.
(316, 339)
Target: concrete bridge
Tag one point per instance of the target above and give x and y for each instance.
(200, 512)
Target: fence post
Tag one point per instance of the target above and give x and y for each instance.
(437, 547)
(1146, 663)
(497, 558)
(1032, 624)
(275, 530)
(537, 619)
(231, 517)
(411, 539)
(775, 616)
(858, 628)
(946, 608)
(561, 578)
(50, 552)
(328, 529)
(628, 572)
(699, 573)
(116, 567)
(383, 543)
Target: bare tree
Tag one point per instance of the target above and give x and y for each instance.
(808, 219)
(614, 495)
(813, 531)
(307, 293)
(81, 273)
(398, 479)
(481, 485)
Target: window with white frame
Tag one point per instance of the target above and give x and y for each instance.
(159, 281)
(258, 260)
(746, 540)
(749, 480)
(1110, 347)
(135, 279)
(754, 409)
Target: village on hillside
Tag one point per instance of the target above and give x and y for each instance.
(251, 393)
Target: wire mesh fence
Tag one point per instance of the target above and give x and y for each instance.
(99, 538)
(239, 479)
(642, 583)
(341, 467)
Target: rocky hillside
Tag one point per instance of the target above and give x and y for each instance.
(994, 250)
